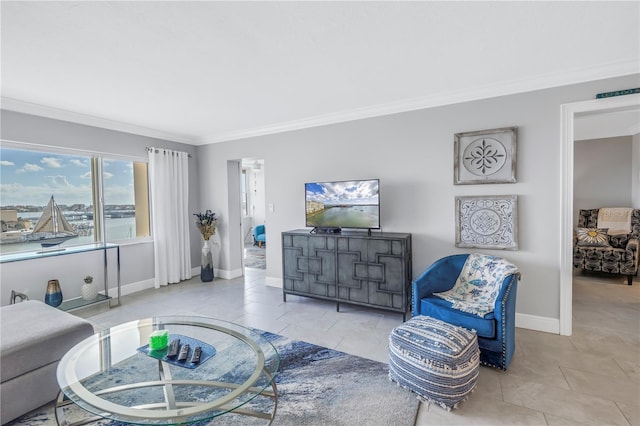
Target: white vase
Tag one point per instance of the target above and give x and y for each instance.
(89, 291)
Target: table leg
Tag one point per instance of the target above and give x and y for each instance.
(165, 375)
(267, 394)
(62, 402)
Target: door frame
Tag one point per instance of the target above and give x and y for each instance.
(568, 115)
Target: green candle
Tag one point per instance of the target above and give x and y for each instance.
(159, 339)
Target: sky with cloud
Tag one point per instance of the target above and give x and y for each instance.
(347, 192)
(31, 178)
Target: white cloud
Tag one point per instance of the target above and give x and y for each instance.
(52, 162)
(353, 192)
(28, 167)
(107, 175)
(6, 163)
(86, 175)
(58, 181)
(119, 195)
(78, 163)
(38, 195)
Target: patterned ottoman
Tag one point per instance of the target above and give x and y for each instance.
(436, 360)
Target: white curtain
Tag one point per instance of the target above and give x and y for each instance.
(169, 182)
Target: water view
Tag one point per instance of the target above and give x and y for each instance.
(361, 216)
(116, 229)
(47, 198)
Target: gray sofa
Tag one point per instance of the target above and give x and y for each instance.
(33, 338)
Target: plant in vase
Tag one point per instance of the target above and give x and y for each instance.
(89, 291)
(206, 224)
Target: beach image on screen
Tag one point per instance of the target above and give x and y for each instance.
(348, 204)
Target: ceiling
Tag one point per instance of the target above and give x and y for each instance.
(201, 72)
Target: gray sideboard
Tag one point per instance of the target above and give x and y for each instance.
(350, 267)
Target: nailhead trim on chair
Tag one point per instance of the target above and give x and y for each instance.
(504, 325)
(503, 322)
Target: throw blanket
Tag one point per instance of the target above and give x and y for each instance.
(616, 219)
(478, 284)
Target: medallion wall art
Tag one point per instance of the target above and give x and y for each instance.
(486, 157)
(487, 222)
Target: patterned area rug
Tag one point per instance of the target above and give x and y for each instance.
(316, 386)
(255, 257)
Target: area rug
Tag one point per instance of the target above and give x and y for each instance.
(255, 257)
(316, 386)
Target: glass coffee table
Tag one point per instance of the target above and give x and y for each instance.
(115, 376)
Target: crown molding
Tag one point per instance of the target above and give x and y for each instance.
(529, 84)
(545, 81)
(16, 105)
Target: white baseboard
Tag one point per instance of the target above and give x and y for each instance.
(273, 282)
(228, 275)
(150, 283)
(534, 322)
(530, 322)
(220, 273)
(235, 273)
(131, 288)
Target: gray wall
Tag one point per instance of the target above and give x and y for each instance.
(602, 173)
(635, 173)
(136, 259)
(412, 154)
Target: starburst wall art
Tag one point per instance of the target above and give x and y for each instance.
(486, 156)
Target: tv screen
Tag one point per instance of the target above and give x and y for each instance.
(345, 204)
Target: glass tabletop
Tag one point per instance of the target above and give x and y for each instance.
(56, 251)
(113, 375)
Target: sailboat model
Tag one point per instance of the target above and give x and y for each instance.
(54, 226)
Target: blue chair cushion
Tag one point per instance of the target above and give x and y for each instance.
(259, 233)
(441, 309)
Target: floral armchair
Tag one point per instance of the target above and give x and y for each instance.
(616, 254)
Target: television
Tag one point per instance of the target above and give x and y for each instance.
(331, 206)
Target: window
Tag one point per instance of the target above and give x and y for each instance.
(31, 178)
(126, 199)
(243, 193)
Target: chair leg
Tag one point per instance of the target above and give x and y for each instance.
(629, 279)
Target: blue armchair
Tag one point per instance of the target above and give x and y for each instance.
(496, 327)
(259, 235)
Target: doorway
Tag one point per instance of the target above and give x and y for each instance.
(253, 212)
(569, 114)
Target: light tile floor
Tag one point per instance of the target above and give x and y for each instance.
(591, 377)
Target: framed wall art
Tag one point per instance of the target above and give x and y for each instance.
(489, 222)
(486, 156)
